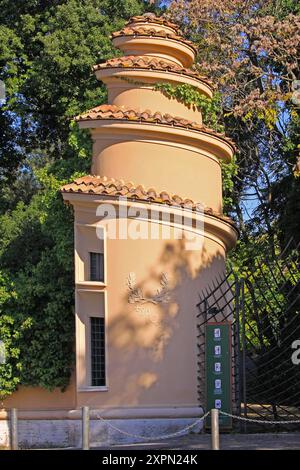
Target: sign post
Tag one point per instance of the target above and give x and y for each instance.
(218, 365)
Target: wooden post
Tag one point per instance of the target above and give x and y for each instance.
(85, 428)
(215, 438)
(14, 429)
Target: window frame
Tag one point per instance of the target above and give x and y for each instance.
(91, 353)
(101, 266)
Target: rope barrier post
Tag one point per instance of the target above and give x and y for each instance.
(14, 429)
(85, 428)
(215, 437)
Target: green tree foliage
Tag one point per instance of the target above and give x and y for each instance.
(46, 59)
(251, 51)
(47, 49)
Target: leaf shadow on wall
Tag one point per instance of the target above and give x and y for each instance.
(154, 351)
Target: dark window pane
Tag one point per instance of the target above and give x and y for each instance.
(97, 351)
(97, 267)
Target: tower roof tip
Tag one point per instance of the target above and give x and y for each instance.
(149, 15)
(152, 18)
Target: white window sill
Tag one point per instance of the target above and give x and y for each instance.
(92, 389)
(90, 284)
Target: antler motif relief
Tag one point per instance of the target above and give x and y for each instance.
(136, 294)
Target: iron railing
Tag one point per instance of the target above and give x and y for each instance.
(263, 305)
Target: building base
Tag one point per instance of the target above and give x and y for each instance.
(104, 432)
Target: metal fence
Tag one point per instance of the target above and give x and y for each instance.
(263, 305)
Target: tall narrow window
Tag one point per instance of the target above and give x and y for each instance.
(97, 267)
(97, 352)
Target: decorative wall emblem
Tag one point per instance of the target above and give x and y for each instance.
(136, 294)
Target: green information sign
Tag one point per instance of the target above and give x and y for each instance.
(218, 370)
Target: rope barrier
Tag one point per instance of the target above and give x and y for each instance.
(164, 436)
(260, 421)
(187, 428)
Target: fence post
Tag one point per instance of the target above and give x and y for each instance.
(14, 429)
(244, 352)
(237, 358)
(85, 428)
(215, 437)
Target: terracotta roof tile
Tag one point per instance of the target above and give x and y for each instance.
(151, 18)
(111, 187)
(152, 63)
(129, 114)
(152, 32)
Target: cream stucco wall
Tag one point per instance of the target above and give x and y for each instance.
(142, 98)
(163, 160)
(151, 349)
(167, 49)
(135, 87)
(37, 398)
